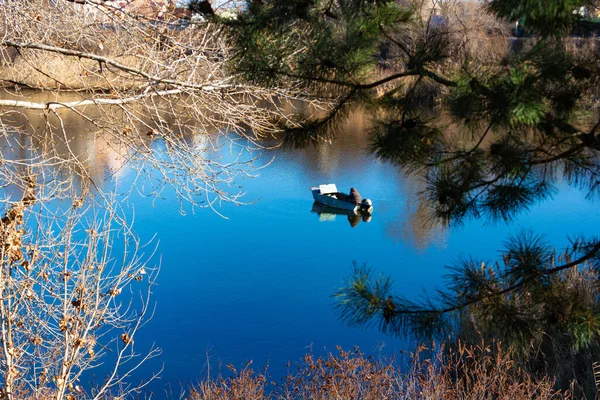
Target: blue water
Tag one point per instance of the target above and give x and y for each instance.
(257, 286)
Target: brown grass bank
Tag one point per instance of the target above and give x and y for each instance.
(65, 46)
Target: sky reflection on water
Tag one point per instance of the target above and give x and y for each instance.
(258, 285)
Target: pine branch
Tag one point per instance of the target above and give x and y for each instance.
(398, 313)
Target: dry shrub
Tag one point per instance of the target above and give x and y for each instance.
(473, 34)
(480, 372)
(464, 372)
(349, 375)
(480, 37)
(245, 384)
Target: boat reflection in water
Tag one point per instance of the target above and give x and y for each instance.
(327, 214)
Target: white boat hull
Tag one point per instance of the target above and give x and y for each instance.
(331, 201)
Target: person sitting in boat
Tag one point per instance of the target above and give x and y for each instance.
(355, 197)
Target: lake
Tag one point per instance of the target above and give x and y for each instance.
(256, 283)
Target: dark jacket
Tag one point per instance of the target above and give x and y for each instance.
(355, 196)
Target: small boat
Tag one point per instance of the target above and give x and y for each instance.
(330, 196)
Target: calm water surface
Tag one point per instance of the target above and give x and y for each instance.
(257, 285)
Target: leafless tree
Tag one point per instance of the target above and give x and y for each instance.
(74, 286)
(137, 81)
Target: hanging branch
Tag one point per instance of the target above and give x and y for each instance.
(364, 299)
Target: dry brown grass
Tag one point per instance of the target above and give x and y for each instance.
(465, 372)
(152, 46)
(64, 73)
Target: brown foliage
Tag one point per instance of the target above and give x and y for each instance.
(465, 372)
